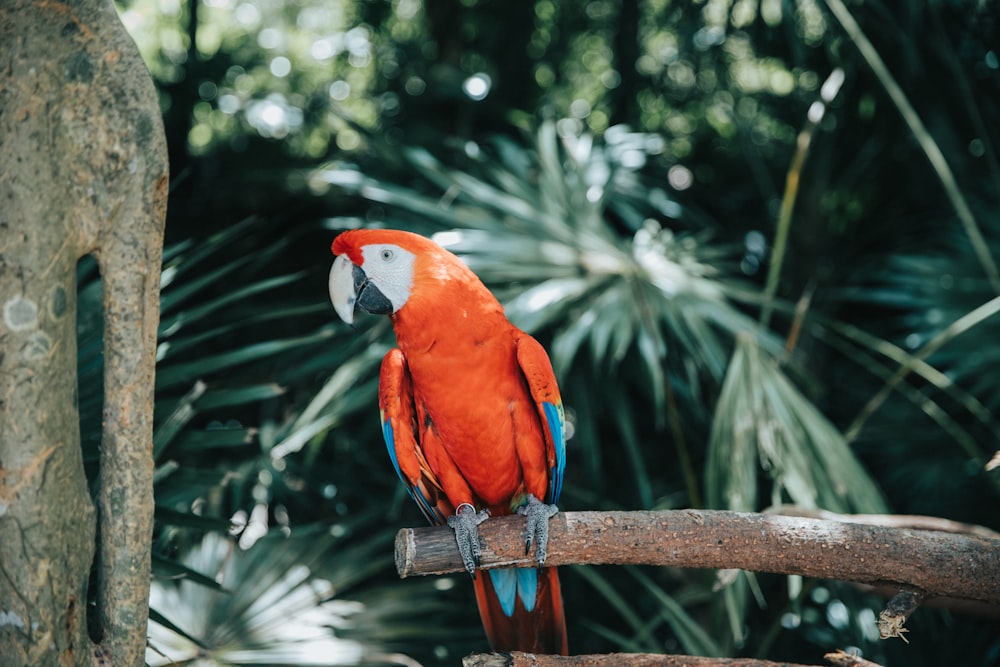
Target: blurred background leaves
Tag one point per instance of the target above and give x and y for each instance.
(748, 302)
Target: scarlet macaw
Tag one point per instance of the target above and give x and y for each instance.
(471, 416)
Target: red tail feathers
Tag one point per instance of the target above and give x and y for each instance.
(541, 630)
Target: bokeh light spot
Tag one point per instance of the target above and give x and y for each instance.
(281, 67)
(477, 86)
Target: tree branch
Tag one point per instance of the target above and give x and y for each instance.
(636, 660)
(968, 607)
(935, 563)
(842, 659)
(914, 521)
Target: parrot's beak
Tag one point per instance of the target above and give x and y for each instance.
(342, 289)
(350, 287)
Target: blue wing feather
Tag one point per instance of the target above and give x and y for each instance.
(556, 422)
(541, 381)
(427, 508)
(390, 444)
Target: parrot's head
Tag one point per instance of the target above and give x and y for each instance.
(375, 270)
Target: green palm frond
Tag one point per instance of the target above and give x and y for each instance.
(928, 424)
(634, 638)
(691, 635)
(764, 422)
(281, 603)
(352, 388)
(942, 307)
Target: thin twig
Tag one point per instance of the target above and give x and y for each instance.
(793, 178)
(892, 619)
(964, 607)
(795, 330)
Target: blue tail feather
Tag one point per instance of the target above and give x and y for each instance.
(512, 584)
(527, 586)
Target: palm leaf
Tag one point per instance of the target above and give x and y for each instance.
(763, 420)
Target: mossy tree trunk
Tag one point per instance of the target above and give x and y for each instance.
(82, 171)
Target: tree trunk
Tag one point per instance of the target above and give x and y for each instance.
(82, 171)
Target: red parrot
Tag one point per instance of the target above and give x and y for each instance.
(471, 416)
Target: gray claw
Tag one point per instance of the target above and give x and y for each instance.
(537, 526)
(464, 522)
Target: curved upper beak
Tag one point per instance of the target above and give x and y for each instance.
(343, 292)
(350, 288)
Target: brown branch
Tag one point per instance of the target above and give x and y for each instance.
(914, 521)
(966, 567)
(636, 660)
(842, 659)
(966, 607)
(612, 660)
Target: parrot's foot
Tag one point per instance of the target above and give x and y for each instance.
(537, 528)
(465, 523)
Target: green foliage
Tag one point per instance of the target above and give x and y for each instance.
(278, 603)
(293, 72)
(767, 423)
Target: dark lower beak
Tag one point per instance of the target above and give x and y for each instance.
(369, 298)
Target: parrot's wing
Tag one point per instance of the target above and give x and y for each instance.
(399, 428)
(537, 370)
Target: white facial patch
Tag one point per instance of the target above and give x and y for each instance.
(390, 269)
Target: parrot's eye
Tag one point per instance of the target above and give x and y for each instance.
(387, 255)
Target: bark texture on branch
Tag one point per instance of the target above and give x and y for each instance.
(952, 565)
(82, 171)
(612, 660)
(842, 659)
(914, 521)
